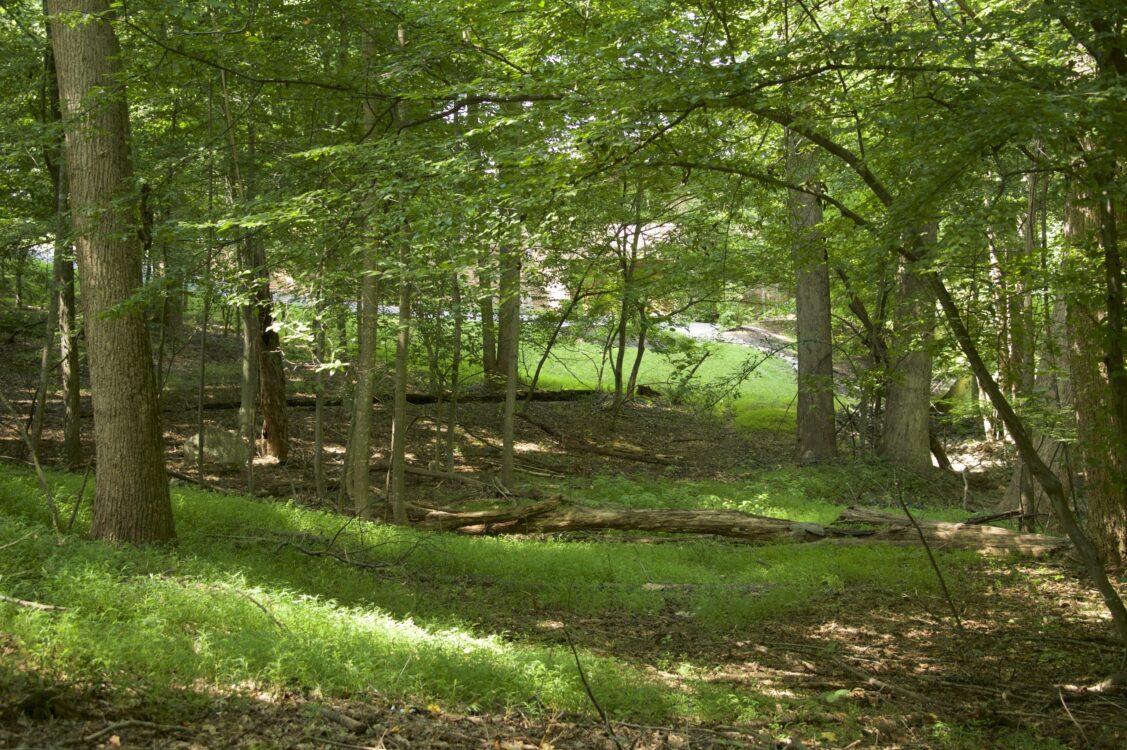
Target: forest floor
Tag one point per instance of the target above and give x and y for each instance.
(857, 667)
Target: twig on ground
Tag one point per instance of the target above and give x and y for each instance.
(31, 605)
(14, 542)
(591, 695)
(1067, 710)
(931, 557)
(344, 720)
(110, 729)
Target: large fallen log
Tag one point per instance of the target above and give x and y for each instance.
(556, 515)
(942, 535)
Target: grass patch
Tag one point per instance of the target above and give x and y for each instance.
(235, 605)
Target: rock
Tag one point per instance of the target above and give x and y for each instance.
(221, 447)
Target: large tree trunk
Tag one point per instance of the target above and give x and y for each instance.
(817, 432)
(131, 501)
(1097, 431)
(904, 438)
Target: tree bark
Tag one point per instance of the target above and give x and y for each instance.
(904, 438)
(398, 451)
(1096, 427)
(510, 325)
(555, 515)
(359, 457)
(131, 500)
(816, 429)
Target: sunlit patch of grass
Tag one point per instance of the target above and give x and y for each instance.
(234, 603)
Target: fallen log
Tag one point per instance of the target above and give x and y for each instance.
(943, 535)
(308, 402)
(556, 515)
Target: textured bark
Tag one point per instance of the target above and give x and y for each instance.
(816, 430)
(904, 438)
(555, 515)
(1096, 427)
(360, 455)
(131, 501)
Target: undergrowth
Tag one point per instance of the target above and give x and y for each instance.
(236, 603)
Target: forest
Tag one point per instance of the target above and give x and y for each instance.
(563, 374)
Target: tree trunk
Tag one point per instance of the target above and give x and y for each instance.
(1053, 394)
(510, 322)
(360, 456)
(640, 350)
(1096, 427)
(817, 431)
(490, 362)
(455, 372)
(398, 451)
(131, 500)
(68, 351)
(904, 439)
(271, 370)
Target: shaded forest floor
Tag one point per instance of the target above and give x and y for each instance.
(855, 664)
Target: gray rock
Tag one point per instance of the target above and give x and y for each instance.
(221, 447)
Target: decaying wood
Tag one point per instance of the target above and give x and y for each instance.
(980, 537)
(482, 521)
(556, 515)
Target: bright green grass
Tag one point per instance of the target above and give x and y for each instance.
(233, 605)
(764, 401)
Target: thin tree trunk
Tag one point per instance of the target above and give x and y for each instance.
(68, 351)
(510, 321)
(131, 500)
(368, 320)
(455, 371)
(489, 358)
(639, 351)
(49, 105)
(396, 473)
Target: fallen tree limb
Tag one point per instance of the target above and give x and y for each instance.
(556, 515)
(444, 520)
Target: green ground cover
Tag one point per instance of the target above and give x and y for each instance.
(441, 619)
